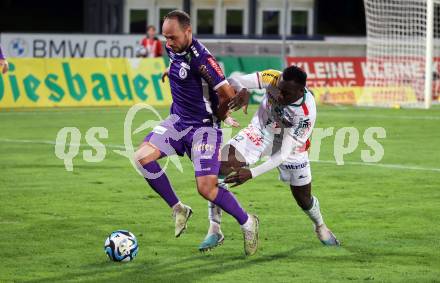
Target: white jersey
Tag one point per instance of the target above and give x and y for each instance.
(263, 137)
(273, 119)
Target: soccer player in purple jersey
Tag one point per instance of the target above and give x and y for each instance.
(193, 128)
(4, 66)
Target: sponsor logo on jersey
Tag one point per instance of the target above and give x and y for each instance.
(215, 66)
(304, 123)
(253, 136)
(296, 167)
(194, 50)
(266, 74)
(203, 147)
(303, 127)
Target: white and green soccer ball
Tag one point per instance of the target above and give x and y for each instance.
(121, 245)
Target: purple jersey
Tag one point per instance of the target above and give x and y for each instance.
(2, 56)
(195, 104)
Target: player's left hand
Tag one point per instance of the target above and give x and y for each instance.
(231, 121)
(239, 177)
(4, 66)
(240, 100)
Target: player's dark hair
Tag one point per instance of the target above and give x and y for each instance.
(179, 15)
(151, 26)
(296, 74)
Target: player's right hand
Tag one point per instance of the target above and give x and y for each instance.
(240, 100)
(4, 66)
(165, 74)
(238, 177)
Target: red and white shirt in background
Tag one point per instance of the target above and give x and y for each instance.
(152, 47)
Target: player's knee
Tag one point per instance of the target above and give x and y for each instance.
(207, 191)
(146, 153)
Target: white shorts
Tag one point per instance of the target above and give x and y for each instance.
(253, 145)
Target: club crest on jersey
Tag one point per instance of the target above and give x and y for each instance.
(183, 73)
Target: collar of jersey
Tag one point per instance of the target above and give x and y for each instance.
(186, 50)
(182, 54)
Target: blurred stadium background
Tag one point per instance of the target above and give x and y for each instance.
(73, 64)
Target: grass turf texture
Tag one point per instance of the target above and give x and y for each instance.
(54, 223)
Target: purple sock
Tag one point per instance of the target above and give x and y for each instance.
(227, 201)
(161, 184)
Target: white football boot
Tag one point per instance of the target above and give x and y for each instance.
(250, 236)
(181, 215)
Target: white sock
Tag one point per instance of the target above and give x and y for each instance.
(214, 213)
(314, 212)
(214, 228)
(248, 224)
(215, 218)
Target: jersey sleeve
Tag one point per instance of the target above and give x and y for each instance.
(211, 72)
(258, 80)
(250, 81)
(268, 78)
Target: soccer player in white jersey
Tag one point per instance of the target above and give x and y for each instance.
(280, 130)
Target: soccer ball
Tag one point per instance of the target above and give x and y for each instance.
(121, 245)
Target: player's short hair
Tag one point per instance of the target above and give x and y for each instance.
(182, 17)
(296, 74)
(151, 26)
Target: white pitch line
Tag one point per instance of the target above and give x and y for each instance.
(392, 166)
(355, 115)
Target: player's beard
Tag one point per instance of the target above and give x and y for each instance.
(184, 46)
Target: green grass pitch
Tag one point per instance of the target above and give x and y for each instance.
(53, 223)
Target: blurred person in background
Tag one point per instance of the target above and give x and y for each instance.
(4, 66)
(150, 46)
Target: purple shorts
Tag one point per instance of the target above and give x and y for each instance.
(201, 144)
